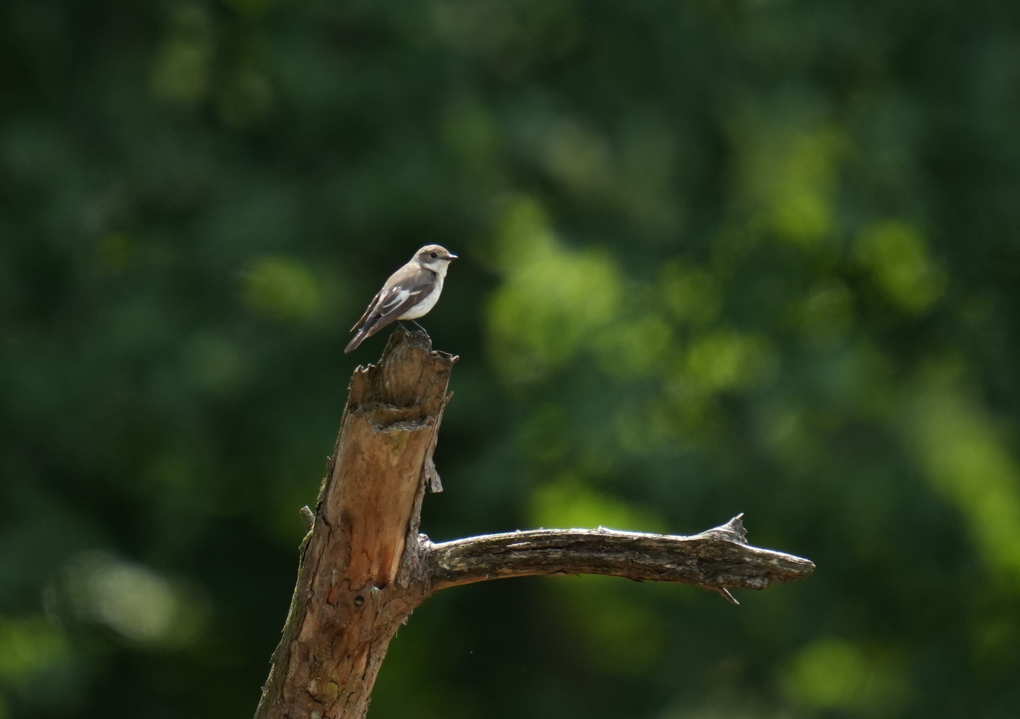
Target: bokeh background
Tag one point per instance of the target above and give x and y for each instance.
(718, 256)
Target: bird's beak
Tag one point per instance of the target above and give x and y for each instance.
(451, 257)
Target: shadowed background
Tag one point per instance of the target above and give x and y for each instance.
(718, 256)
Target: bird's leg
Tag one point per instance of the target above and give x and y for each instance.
(404, 327)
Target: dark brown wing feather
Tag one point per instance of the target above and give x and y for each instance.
(371, 306)
(388, 305)
(395, 303)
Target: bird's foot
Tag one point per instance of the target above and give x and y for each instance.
(410, 331)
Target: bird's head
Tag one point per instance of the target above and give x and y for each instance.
(435, 258)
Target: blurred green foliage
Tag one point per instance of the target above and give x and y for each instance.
(719, 256)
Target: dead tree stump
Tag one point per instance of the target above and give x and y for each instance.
(364, 567)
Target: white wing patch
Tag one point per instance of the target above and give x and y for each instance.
(394, 301)
(425, 304)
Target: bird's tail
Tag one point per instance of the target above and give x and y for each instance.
(358, 338)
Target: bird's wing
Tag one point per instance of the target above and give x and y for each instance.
(371, 306)
(406, 288)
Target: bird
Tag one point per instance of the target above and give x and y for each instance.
(408, 294)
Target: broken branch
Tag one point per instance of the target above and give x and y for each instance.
(717, 559)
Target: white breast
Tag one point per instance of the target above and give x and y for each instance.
(427, 302)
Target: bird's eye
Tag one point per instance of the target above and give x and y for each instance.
(433, 255)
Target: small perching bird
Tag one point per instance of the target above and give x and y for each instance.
(408, 294)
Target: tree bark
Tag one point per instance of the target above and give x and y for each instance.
(717, 559)
(358, 578)
(364, 567)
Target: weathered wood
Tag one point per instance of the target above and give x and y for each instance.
(364, 567)
(717, 559)
(348, 601)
